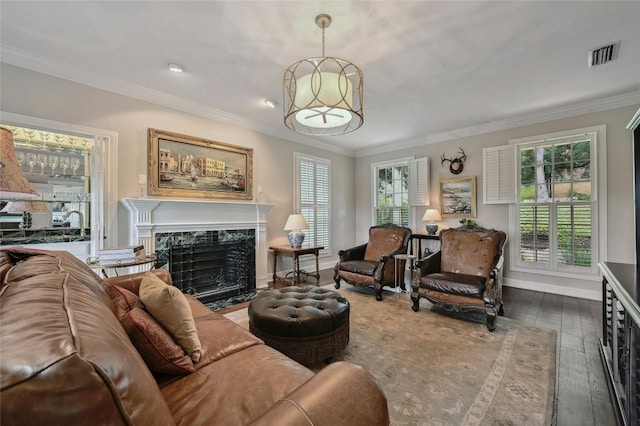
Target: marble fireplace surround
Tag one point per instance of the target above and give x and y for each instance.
(148, 216)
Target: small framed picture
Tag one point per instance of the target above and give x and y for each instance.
(458, 197)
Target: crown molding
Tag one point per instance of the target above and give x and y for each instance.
(598, 105)
(23, 59)
(635, 121)
(31, 62)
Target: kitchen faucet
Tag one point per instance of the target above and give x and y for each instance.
(81, 218)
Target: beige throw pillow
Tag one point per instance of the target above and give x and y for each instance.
(170, 308)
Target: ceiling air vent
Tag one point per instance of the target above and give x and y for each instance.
(604, 54)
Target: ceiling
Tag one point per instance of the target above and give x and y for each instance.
(432, 70)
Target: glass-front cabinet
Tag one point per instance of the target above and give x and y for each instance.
(58, 167)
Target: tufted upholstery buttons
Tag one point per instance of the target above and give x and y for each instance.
(308, 324)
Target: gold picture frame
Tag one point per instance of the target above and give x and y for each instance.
(458, 197)
(188, 166)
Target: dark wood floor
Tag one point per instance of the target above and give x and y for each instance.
(581, 387)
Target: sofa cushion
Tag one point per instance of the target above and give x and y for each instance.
(362, 267)
(158, 349)
(54, 261)
(61, 344)
(168, 305)
(458, 284)
(240, 387)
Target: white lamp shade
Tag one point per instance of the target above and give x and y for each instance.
(295, 222)
(431, 215)
(326, 98)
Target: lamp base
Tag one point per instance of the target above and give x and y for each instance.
(431, 229)
(296, 238)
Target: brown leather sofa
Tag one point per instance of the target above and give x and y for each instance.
(66, 359)
(466, 274)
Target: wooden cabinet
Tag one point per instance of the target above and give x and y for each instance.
(620, 347)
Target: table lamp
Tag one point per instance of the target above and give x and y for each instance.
(296, 223)
(430, 216)
(13, 183)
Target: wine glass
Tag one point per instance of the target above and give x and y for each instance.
(64, 163)
(53, 163)
(75, 165)
(31, 160)
(20, 158)
(42, 160)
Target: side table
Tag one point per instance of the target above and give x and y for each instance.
(295, 253)
(432, 244)
(398, 271)
(95, 263)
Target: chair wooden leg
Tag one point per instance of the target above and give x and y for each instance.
(415, 303)
(491, 317)
(377, 289)
(337, 280)
(501, 311)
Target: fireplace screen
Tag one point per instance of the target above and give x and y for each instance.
(214, 271)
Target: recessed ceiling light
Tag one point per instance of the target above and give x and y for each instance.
(270, 103)
(176, 68)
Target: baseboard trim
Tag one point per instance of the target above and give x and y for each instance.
(553, 289)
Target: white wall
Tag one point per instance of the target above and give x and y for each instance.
(33, 94)
(620, 222)
(37, 95)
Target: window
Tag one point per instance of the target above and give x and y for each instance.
(556, 212)
(391, 193)
(313, 184)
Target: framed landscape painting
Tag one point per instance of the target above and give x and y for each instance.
(187, 166)
(458, 197)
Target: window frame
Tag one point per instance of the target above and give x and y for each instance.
(298, 205)
(598, 210)
(404, 161)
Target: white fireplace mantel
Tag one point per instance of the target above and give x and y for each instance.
(148, 216)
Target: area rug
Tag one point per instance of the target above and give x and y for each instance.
(440, 369)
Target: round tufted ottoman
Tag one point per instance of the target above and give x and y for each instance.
(308, 324)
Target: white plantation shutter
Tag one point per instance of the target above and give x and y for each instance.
(499, 175)
(419, 182)
(313, 197)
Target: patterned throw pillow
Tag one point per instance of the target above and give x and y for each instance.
(168, 305)
(156, 346)
(123, 299)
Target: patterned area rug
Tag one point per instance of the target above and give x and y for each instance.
(440, 369)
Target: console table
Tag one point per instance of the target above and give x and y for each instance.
(620, 347)
(95, 263)
(432, 243)
(295, 253)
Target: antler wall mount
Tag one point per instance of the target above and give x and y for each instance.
(455, 164)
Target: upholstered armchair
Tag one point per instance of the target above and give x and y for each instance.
(466, 274)
(372, 264)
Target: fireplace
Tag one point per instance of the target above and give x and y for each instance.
(175, 228)
(210, 265)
